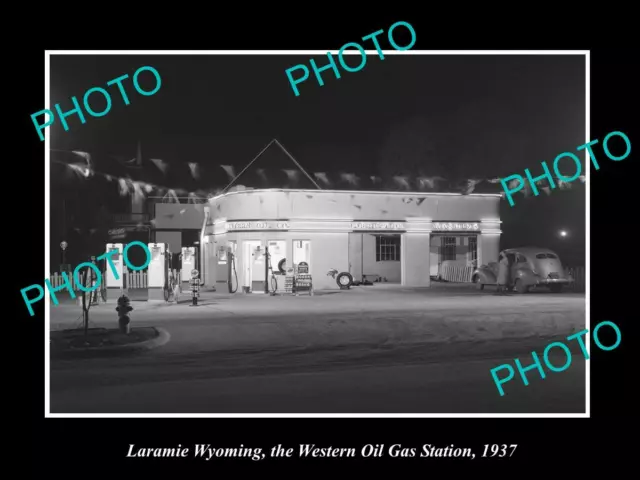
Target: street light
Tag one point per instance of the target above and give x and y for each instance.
(563, 233)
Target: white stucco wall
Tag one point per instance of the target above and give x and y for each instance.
(329, 219)
(488, 248)
(388, 269)
(415, 260)
(323, 204)
(328, 250)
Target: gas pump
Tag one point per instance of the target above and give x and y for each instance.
(167, 288)
(231, 271)
(189, 262)
(159, 270)
(267, 267)
(114, 281)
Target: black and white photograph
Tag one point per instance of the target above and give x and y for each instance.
(283, 233)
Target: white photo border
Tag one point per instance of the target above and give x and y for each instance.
(47, 223)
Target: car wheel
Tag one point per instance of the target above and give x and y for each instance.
(479, 285)
(555, 288)
(344, 280)
(521, 287)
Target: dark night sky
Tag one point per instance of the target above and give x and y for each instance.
(224, 109)
(464, 116)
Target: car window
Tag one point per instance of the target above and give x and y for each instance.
(541, 255)
(551, 255)
(511, 257)
(521, 259)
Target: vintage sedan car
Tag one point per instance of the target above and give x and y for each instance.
(531, 267)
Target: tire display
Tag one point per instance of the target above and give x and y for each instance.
(281, 266)
(344, 280)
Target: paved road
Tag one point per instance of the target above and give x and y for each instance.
(376, 350)
(438, 378)
(373, 315)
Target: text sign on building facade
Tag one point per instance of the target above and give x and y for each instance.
(455, 226)
(115, 233)
(377, 226)
(256, 226)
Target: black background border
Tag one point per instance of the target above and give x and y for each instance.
(81, 448)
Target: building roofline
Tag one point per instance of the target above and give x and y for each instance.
(318, 192)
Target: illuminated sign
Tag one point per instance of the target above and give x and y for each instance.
(377, 226)
(117, 233)
(257, 226)
(456, 226)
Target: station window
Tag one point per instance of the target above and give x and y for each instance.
(448, 249)
(387, 248)
(302, 252)
(277, 253)
(473, 249)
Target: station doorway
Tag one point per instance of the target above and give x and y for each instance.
(375, 257)
(253, 266)
(461, 249)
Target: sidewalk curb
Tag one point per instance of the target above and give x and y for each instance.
(115, 350)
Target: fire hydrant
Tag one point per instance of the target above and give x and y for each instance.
(123, 310)
(195, 287)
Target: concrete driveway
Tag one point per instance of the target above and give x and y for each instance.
(374, 315)
(371, 349)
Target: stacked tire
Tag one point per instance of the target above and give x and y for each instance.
(344, 280)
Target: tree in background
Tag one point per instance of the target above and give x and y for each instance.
(80, 217)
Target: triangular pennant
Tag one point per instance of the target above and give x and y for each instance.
(321, 176)
(85, 155)
(124, 187)
(262, 174)
(292, 175)
(402, 182)
(229, 170)
(195, 171)
(161, 164)
(170, 197)
(350, 178)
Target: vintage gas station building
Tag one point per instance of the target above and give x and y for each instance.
(397, 237)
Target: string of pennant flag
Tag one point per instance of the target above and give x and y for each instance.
(86, 168)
